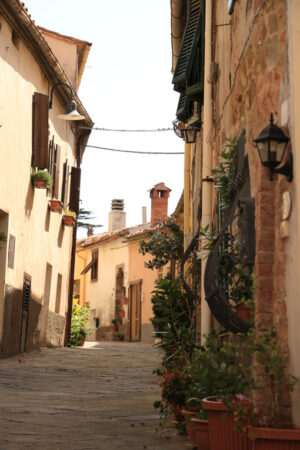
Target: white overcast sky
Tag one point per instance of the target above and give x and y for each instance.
(126, 84)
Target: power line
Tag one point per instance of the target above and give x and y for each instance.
(154, 130)
(135, 151)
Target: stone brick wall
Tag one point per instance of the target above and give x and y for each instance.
(252, 57)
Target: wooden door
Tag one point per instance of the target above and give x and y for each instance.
(134, 313)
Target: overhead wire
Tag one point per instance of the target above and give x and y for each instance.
(153, 130)
(134, 151)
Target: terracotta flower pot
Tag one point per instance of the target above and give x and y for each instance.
(55, 206)
(201, 433)
(69, 221)
(222, 435)
(188, 415)
(124, 300)
(243, 311)
(121, 313)
(277, 439)
(39, 184)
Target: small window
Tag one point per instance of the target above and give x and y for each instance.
(160, 194)
(94, 268)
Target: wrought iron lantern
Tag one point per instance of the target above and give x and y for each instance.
(271, 145)
(71, 111)
(190, 132)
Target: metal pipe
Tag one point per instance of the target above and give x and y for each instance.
(207, 160)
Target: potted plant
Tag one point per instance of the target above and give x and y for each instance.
(269, 432)
(41, 179)
(80, 324)
(69, 218)
(55, 205)
(118, 337)
(114, 326)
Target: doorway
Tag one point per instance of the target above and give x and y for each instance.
(134, 311)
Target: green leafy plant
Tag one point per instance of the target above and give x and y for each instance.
(43, 175)
(68, 212)
(80, 324)
(118, 336)
(165, 244)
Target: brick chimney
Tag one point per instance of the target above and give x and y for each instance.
(117, 215)
(159, 195)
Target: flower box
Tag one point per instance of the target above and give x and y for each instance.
(69, 221)
(39, 184)
(55, 205)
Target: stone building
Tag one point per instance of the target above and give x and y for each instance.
(234, 64)
(36, 245)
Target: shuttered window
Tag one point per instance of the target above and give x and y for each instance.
(40, 114)
(11, 251)
(184, 108)
(64, 188)
(189, 44)
(75, 189)
(56, 171)
(94, 269)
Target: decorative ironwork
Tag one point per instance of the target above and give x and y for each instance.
(227, 254)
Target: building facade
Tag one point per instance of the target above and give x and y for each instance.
(235, 63)
(36, 246)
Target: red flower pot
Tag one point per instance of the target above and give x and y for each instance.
(188, 415)
(121, 313)
(69, 221)
(124, 300)
(39, 184)
(201, 433)
(243, 311)
(277, 439)
(222, 435)
(55, 206)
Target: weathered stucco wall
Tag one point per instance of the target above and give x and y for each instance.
(41, 238)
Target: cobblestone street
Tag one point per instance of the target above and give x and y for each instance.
(97, 397)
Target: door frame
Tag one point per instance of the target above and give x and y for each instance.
(135, 283)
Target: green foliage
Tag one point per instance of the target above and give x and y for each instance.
(68, 212)
(80, 323)
(225, 172)
(43, 175)
(164, 244)
(84, 216)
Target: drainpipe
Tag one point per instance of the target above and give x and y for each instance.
(73, 253)
(207, 160)
(186, 203)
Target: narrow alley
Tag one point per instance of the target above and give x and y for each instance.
(97, 397)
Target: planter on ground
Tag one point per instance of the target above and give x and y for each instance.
(277, 439)
(222, 435)
(201, 433)
(188, 415)
(243, 311)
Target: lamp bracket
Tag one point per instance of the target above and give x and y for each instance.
(286, 169)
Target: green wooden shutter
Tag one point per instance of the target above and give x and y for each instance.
(40, 115)
(64, 188)
(189, 44)
(75, 189)
(184, 108)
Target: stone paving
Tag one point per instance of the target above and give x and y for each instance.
(96, 397)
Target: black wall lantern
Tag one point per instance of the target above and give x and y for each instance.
(190, 132)
(271, 145)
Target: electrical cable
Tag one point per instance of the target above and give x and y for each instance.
(154, 130)
(135, 151)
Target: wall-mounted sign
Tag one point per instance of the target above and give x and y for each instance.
(230, 4)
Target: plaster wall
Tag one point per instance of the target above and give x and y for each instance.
(101, 293)
(138, 271)
(40, 235)
(66, 53)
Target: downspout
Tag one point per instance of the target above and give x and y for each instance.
(186, 202)
(73, 253)
(207, 161)
(82, 297)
